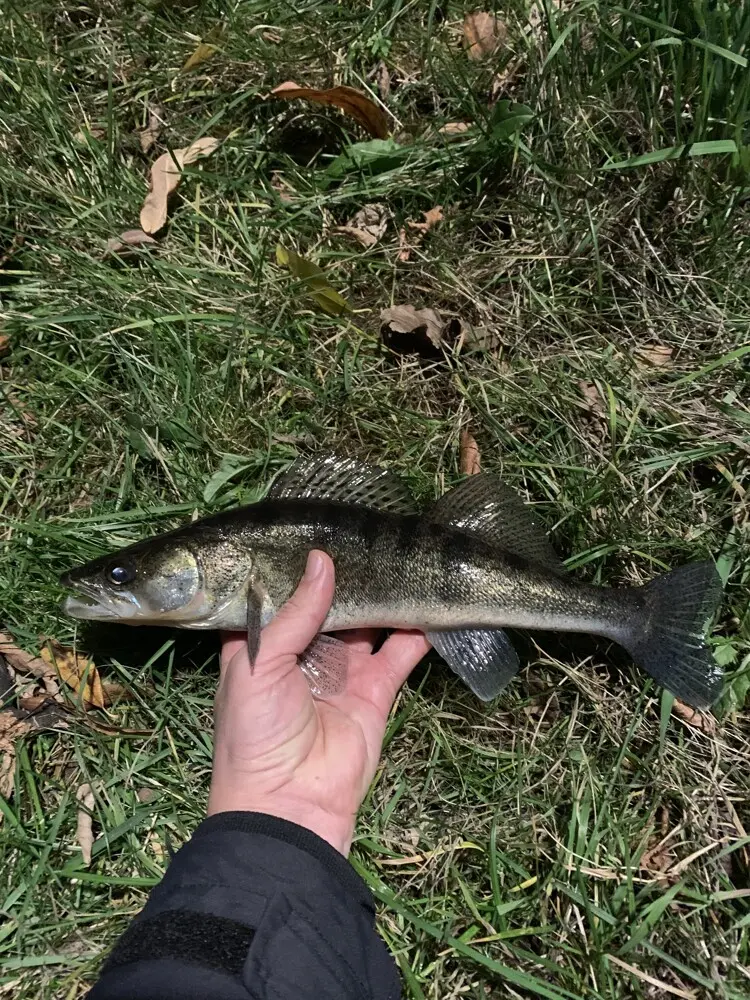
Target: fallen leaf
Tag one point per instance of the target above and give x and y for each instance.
(654, 356)
(368, 225)
(78, 672)
(149, 136)
(470, 459)
(114, 693)
(314, 280)
(95, 132)
(697, 720)
(4, 344)
(84, 825)
(166, 174)
(483, 33)
(478, 338)
(127, 241)
(271, 36)
(383, 80)
(202, 54)
(404, 248)
(11, 728)
(407, 330)
(145, 795)
(431, 218)
(352, 102)
(454, 128)
(592, 397)
(26, 663)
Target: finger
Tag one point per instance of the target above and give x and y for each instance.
(231, 644)
(360, 640)
(399, 655)
(299, 621)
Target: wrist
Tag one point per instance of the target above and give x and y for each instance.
(335, 829)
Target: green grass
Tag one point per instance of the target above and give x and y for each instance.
(504, 843)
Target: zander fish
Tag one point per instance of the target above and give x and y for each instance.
(473, 563)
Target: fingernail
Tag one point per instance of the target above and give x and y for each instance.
(315, 565)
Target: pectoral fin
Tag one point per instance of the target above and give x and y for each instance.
(324, 663)
(484, 659)
(254, 617)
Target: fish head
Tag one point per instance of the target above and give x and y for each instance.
(155, 581)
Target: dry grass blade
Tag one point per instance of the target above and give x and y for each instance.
(166, 173)
(352, 102)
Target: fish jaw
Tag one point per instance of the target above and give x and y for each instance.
(96, 604)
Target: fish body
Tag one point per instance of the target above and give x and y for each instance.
(460, 572)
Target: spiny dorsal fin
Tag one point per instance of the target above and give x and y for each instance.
(485, 506)
(484, 659)
(344, 480)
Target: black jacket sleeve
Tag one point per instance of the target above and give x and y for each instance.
(253, 906)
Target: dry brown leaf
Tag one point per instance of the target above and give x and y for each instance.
(470, 459)
(454, 128)
(165, 177)
(78, 672)
(383, 80)
(145, 795)
(128, 240)
(592, 397)
(201, 54)
(114, 693)
(654, 356)
(11, 728)
(4, 344)
(431, 218)
(84, 825)
(26, 663)
(95, 132)
(149, 136)
(368, 225)
(407, 330)
(352, 102)
(483, 33)
(273, 37)
(404, 247)
(698, 720)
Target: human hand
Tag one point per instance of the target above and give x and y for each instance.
(278, 750)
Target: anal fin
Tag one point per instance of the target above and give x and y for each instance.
(484, 659)
(324, 663)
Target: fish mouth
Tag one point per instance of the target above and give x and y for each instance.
(93, 603)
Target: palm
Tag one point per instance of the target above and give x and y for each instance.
(280, 750)
(284, 739)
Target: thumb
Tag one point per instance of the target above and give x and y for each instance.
(300, 619)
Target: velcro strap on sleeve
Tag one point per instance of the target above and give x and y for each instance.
(194, 938)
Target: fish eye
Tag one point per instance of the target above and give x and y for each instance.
(120, 573)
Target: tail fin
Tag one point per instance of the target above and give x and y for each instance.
(672, 647)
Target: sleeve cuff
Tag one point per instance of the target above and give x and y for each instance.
(334, 863)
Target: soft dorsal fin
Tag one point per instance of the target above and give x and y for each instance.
(344, 480)
(483, 505)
